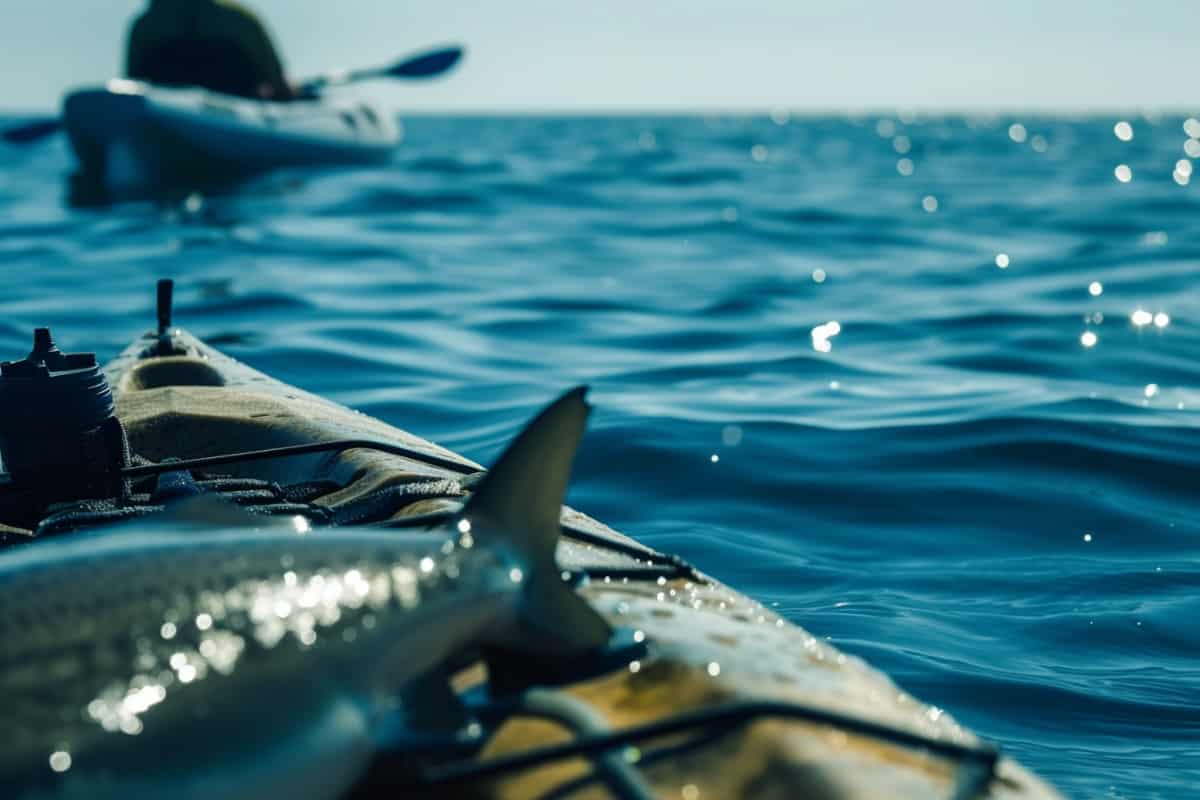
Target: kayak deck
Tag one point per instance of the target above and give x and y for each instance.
(738, 701)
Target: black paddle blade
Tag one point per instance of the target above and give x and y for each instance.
(427, 65)
(31, 131)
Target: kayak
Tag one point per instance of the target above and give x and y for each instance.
(131, 137)
(595, 667)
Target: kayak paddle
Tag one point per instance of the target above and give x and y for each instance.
(425, 65)
(31, 131)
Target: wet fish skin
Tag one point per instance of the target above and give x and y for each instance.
(226, 664)
(186, 662)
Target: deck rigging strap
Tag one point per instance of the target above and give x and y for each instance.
(976, 762)
(661, 562)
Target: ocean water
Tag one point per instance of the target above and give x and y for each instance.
(928, 384)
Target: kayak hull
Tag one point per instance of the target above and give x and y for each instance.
(130, 137)
(708, 645)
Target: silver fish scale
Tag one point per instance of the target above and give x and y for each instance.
(136, 634)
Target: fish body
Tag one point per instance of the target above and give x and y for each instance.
(207, 654)
(175, 660)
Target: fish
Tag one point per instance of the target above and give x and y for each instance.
(210, 655)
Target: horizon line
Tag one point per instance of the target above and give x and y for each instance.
(1144, 111)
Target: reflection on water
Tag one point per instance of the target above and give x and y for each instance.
(927, 383)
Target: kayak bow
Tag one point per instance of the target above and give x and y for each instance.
(699, 691)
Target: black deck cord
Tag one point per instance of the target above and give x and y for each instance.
(299, 450)
(982, 756)
(680, 567)
(582, 719)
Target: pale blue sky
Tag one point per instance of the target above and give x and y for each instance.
(675, 55)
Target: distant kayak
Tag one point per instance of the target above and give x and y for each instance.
(132, 137)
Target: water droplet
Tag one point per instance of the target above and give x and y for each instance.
(1151, 390)
(905, 167)
(635, 667)
(204, 621)
(167, 631)
(1123, 173)
(426, 565)
(1017, 132)
(901, 144)
(1095, 288)
(464, 526)
(713, 668)
(60, 761)
(818, 275)
(1087, 537)
(1123, 131)
(515, 575)
(1089, 339)
(1141, 317)
(1002, 260)
(759, 153)
(1161, 320)
(690, 792)
(714, 458)
(929, 203)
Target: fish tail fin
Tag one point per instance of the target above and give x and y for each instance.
(519, 502)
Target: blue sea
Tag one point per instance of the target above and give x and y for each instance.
(929, 384)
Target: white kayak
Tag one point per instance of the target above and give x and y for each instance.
(131, 136)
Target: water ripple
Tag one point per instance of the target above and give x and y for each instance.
(982, 482)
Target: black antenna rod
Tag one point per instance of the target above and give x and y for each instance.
(166, 288)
